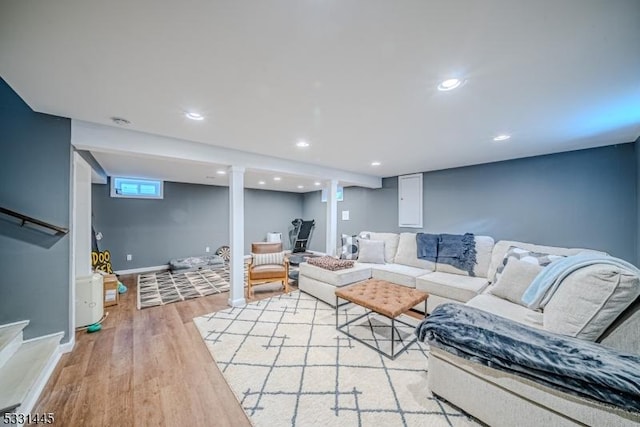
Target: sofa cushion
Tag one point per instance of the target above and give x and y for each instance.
(514, 280)
(536, 258)
(500, 250)
(407, 253)
(350, 247)
(484, 248)
(390, 244)
(452, 286)
(371, 251)
(267, 271)
(336, 278)
(507, 309)
(589, 300)
(397, 273)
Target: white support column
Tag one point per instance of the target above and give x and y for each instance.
(332, 216)
(236, 235)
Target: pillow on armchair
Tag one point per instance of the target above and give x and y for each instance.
(268, 258)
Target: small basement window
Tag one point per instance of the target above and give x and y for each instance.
(136, 188)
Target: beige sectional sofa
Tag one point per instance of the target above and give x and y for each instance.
(493, 396)
(402, 266)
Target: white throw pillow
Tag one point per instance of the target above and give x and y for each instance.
(371, 251)
(270, 258)
(532, 257)
(589, 300)
(390, 244)
(515, 279)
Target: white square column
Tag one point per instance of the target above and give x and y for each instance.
(236, 235)
(332, 217)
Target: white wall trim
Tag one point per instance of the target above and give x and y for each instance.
(68, 346)
(143, 269)
(72, 245)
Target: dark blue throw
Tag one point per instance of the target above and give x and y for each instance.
(458, 251)
(427, 246)
(578, 367)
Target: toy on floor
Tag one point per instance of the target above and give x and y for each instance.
(94, 328)
(121, 288)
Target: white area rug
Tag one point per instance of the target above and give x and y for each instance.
(288, 366)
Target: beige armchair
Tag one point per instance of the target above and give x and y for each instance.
(268, 264)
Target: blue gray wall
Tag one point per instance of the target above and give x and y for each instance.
(585, 198)
(636, 146)
(188, 219)
(35, 174)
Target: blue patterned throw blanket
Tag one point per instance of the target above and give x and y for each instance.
(574, 366)
(457, 250)
(427, 246)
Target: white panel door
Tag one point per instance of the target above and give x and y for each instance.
(410, 201)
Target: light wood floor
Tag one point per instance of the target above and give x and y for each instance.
(145, 367)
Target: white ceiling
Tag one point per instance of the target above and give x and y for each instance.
(199, 173)
(357, 78)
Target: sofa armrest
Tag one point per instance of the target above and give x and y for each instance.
(572, 365)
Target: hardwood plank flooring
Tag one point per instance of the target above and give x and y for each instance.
(145, 368)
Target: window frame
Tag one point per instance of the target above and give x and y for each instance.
(115, 188)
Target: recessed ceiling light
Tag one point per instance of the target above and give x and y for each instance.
(221, 172)
(502, 137)
(316, 183)
(120, 121)
(302, 144)
(375, 163)
(449, 84)
(261, 182)
(194, 116)
(276, 178)
(301, 186)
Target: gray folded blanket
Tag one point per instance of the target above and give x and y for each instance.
(458, 251)
(427, 246)
(574, 366)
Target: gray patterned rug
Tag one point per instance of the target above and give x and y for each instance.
(164, 288)
(287, 365)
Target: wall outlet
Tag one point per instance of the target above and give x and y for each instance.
(129, 257)
(207, 249)
(345, 215)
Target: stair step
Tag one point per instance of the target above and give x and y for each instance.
(25, 369)
(10, 339)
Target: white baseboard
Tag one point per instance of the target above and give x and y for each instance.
(143, 269)
(240, 302)
(68, 346)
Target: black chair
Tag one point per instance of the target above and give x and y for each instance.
(300, 236)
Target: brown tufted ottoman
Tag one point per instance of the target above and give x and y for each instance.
(382, 297)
